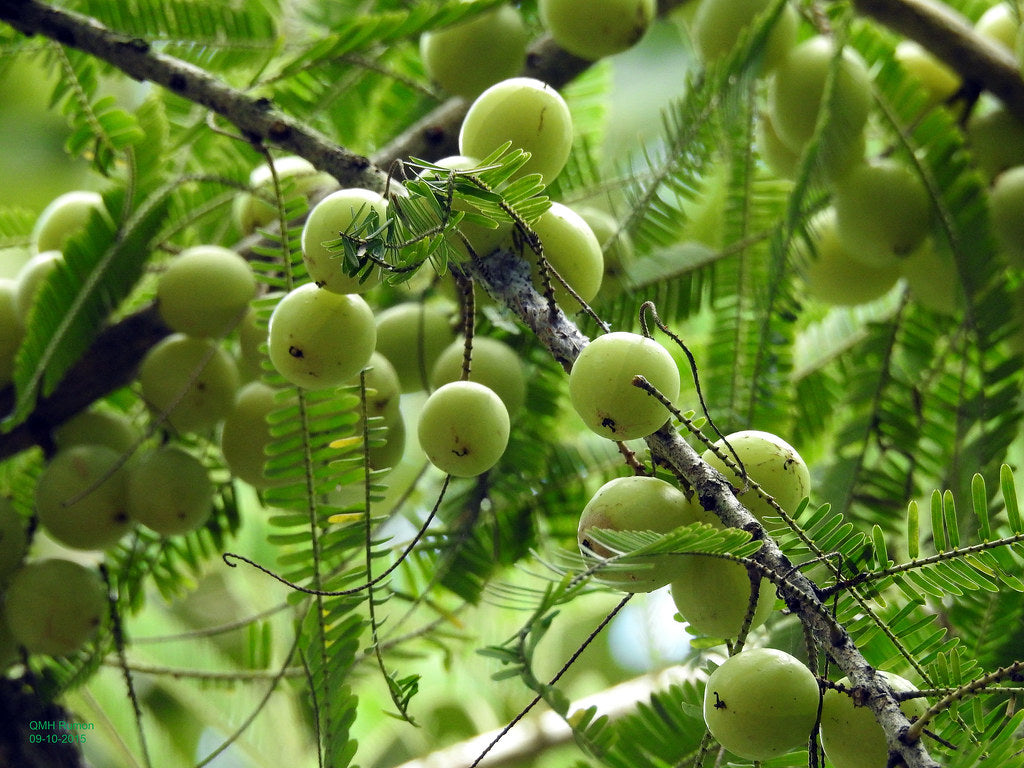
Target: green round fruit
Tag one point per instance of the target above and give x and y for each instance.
(390, 453)
(573, 251)
(999, 25)
(55, 606)
(245, 434)
(761, 703)
(770, 462)
(601, 385)
(494, 364)
(319, 339)
(635, 504)
(252, 338)
(616, 247)
(169, 491)
(382, 385)
(832, 276)
(64, 217)
(527, 112)
(939, 81)
(98, 426)
(205, 291)
(798, 91)
(345, 210)
(81, 498)
(996, 137)
(253, 211)
(1006, 208)
(850, 734)
(192, 381)
(482, 239)
(412, 336)
(463, 428)
(933, 279)
(597, 28)
(11, 329)
(30, 279)
(883, 212)
(13, 539)
(713, 594)
(718, 25)
(466, 58)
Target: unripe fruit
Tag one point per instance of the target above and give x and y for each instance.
(205, 291)
(65, 216)
(382, 385)
(98, 426)
(54, 606)
(798, 92)
(527, 112)
(169, 491)
(635, 504)
(252, 212)
(30, 279)
(412, 336)
(463, 428)
(850, 734)
(761, 703)
(481, 239)
(596, 28)
(192, 380)
(245, 434)
(573, 251)
(713, 595)
(938, 80)
(718, 25)
(616, 247)
(999, 25)
(319, 339)
(882, 212)
(932, 279)
(466, 58)
(770, 462)
(13, 540)
(81, 499)
(601, 385)
(1006, 207)
(346, 210)
(832, 276)
(494, 364)
(390, 453)
(11, 329)
(996, 137)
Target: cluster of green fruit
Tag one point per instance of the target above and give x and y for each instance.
(468, 57)
(875, 230)
(762, 703)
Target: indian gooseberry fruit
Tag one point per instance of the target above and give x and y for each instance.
(463, 428)
(932, 279)
(634, 504)
(572, 249)
(256, 210)
(245, 433)
(54, 606)
(191, 380)
(717, 26)
(354, 211)
(598, 29)
(480, 237)
(527, 112)
(11, 329)
(169, 490)
(205, 290)
(616, 247)
(850, 734)
(471, 55)
(98, 426)
(713, 596)
(382, 385)
(761, 703)
(798, 91)
(832, 276)
(995, 135)
(30, 279)
(319, 339)
(939, 81)
(65, 216)
(412, 335)
(770, 462)
(601, 385)
(494, 364)
(1006, 208)
(81, 498)
(882, 212)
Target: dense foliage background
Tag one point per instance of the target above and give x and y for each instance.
(906, 408)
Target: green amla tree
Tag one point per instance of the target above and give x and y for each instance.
(293, 423)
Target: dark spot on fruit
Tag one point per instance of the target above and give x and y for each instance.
(608, 423)
(788, 463)
(295, 352)
(460, 451)
(121, 517)
(719, 704)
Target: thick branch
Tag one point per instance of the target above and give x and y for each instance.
(256, 118)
